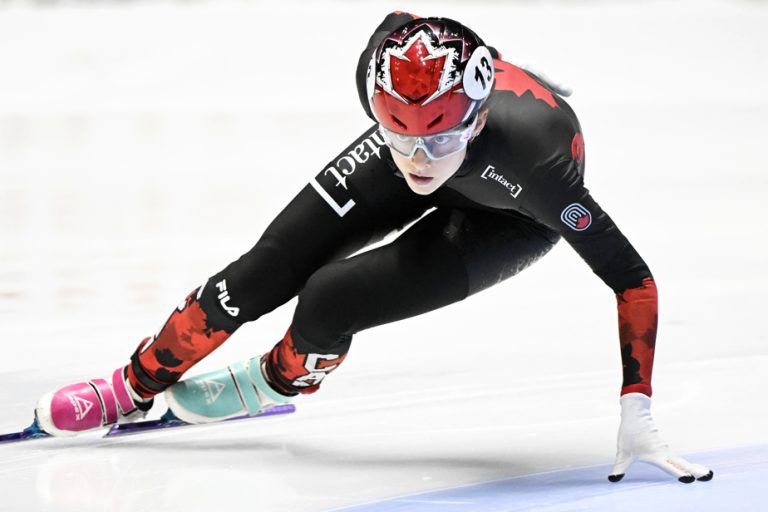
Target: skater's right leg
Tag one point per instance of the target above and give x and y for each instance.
(337, 214)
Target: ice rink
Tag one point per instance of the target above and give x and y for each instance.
(144, 145)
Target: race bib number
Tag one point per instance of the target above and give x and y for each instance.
(478, 75)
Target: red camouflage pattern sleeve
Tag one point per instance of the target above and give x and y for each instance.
(638, 321)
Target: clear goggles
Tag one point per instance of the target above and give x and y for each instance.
(437, 146)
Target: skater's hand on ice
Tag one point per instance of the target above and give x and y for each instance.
(639, 440)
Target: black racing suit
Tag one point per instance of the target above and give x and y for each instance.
(520, 188)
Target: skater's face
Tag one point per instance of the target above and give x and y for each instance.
(424, 174)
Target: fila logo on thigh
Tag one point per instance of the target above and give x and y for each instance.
(331, 184)
(224, 298)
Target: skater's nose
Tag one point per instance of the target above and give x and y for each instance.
(420, 160)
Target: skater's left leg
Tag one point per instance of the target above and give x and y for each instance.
(442, 259)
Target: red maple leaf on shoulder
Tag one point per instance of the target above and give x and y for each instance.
(511, 78)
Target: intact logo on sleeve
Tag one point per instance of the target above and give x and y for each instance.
(331, 184)
(576, 217)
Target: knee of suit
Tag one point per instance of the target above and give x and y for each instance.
(327, 312)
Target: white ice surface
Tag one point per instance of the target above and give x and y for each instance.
(145, 145)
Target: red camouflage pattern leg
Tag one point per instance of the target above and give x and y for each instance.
(294, 368)
(183, 341)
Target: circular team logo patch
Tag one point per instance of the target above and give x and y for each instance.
(576, 217)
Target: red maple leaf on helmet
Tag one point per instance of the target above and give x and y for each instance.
(416, 75)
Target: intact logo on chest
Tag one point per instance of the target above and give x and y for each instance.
(490, 173)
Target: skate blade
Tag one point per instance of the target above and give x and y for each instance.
(169, 421)
(31, 432)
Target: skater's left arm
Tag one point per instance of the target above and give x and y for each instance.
(563, 203)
